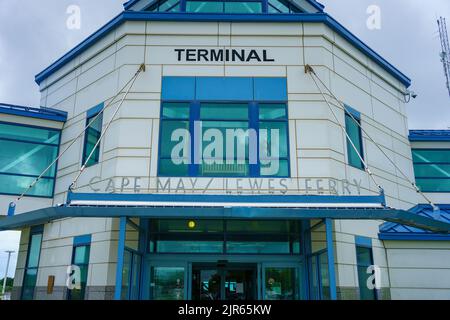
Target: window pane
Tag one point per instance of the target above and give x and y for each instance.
(168, 169)
(126, 271)
(433, 185)
(243, 7)
(27, 158)
(273, 140)
(136, 277)
(433, 156)
(175, 111)
(354, 133)
(173, 133)
(364, 260)
(324, 277)
(167, 283)
(10, 184)
(251, 226)
(364, 256)
(187, 226)
(81, 255)
(34, 250)
(280, 284)
(204, 6)
(189, 246)
(276, 6)
(272, 112)
(221, 111)
(168, 5)
(234, 134)
(93, 134)
(18, 132)
(30, 277)
(432, 170)
(29, 283)
(258, 247)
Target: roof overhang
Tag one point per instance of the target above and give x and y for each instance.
(177, 17)
(38, 113)
(264, 207)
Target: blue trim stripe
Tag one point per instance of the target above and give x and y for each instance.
(29, 112)
(151, 16)
(413, 237)
(429, 135)
(226, 198)
(82, 240)
(363, 241)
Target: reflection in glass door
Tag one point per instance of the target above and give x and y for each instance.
(224, 283)
(167, 283)
(280, 283)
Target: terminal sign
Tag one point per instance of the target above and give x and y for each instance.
(223, 55)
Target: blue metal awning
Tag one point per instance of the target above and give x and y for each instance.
(197, 206)
(399, 231)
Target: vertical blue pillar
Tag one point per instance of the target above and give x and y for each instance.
(330, 253)
(120, 253)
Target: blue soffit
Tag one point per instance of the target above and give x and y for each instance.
(39, 113)
(429, 135)
(397, 231)
(264, 17)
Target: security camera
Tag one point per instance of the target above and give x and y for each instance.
(408, 95)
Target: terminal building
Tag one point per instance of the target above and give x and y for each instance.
(122, 189)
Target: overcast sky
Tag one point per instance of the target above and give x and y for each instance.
(33, 34)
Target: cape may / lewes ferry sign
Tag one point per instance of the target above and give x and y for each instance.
(223, 55)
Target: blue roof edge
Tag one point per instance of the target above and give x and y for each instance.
(429, 135)
(149, 16)
(30, 112)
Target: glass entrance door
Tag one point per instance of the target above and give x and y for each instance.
(231, 282)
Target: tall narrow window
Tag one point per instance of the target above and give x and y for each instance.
(364, 258)
(80, 258)
(32, 265)
(352, 126)
(91, 138)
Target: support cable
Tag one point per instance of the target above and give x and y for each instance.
(83, 167)
(77, 137)
(310, 70)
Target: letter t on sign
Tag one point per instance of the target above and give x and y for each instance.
(179, 52)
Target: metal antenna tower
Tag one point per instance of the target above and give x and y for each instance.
(445, 54)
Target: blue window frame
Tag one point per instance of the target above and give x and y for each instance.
(80, 258)
(252, 105)
(364, 259)
(432, 169)
(32, 263)
(319, 276)
(352, 126)
(26, 152)
(92, 136)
